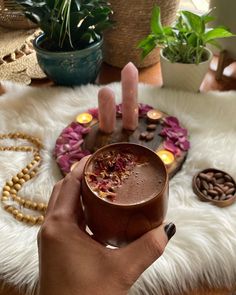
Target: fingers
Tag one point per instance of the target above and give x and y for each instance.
(54, 197)
(143, 252)
(68, 204)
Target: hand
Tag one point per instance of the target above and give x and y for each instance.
(71, 262)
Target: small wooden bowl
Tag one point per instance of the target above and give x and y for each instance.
(207, 198)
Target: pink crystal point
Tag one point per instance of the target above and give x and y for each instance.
(129, 80)
(106, 110)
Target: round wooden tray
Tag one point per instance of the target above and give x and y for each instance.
(92, 138)
(96, 139)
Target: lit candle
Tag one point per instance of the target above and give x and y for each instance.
(106, 110)
(167, 157)
(129, 81)
(84, 118)
(154, 116)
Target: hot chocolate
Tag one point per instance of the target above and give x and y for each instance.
(125, 176)
(124, 192)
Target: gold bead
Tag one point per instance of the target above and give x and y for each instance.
(29, 149)
(29, 166)
(23, 149)
(25, 170)
(9, 183)
(15, 179)
(19, 216)
(13, 191)
(33, 205)
(9, 209)
(6, 194)
(22, 201)
(32, 220)
(17, 186)
(4, 199)
(20, 175)
(34, 162)
(18, 199)
(13, 197)
(26, 218)
(15, 212)
(32, 174)
(6, 188)
(40, 206)
(37, 158)
(26, 177)
(21, 181)
(27, 204)
(40, 219)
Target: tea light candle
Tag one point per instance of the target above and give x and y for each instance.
(106, 110)
(167, 157)
(84, 118)
(129, 81)
(154, 116)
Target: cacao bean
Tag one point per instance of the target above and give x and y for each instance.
(218, 175)
(143, 135)
(230, 191)
(220, 180)
(225, 188)
(219, 190)
(205, 184)
(204, 192)
(227, 177)
(229, 184)
(212, 192)
(210, 186)
(149, 136)
(151, 127)
(198, 182)
(204, 176)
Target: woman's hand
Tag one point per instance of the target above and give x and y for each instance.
(73, 263)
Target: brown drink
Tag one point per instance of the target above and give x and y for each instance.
(124, 192)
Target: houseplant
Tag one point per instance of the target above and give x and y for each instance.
(184, 55)
(69, 50)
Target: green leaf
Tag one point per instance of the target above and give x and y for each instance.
(216, 34)
(156, 26)
(193, 21)
(147, 45)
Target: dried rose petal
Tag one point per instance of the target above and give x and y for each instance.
(171, 121)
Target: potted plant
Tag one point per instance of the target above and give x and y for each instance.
(185, 58)
(69, 49)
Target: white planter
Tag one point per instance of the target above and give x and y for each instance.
(184, 76)
(225, 15)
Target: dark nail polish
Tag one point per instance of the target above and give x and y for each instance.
(170, 230)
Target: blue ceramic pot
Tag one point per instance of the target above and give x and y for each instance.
(70, 68)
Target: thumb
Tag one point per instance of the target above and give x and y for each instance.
(140, 254)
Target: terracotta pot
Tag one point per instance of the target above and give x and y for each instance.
(118, 224)
(182, 76)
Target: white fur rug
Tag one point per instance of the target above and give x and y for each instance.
(204, 247)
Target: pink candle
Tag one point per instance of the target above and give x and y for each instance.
(129, 80)
(106, 110)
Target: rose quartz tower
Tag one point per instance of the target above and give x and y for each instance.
(129, 80)
(106, 110)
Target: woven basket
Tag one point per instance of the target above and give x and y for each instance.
(132, 24)
(12, 17)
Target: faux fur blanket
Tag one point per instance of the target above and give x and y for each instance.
(204, 247)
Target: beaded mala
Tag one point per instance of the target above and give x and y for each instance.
(12, 187)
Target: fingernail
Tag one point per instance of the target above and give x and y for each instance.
(170, 230)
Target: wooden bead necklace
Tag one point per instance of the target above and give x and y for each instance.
(11, 188)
